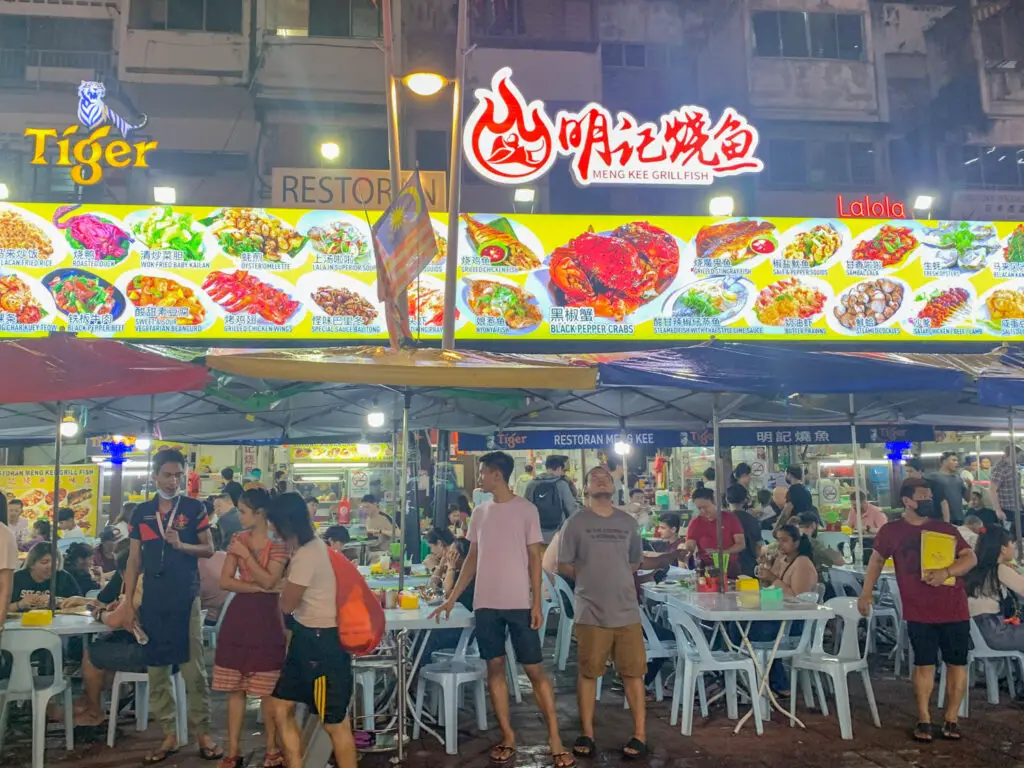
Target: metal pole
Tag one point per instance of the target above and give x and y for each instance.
(403, 466)
(857, 488)
(391, 98)
(455, 179)
(58, 440)
(722, 573)
(1016, 487)
(152, 443)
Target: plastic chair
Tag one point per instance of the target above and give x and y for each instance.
(848, 585)
(695, 658)
(364, 676)
(450, 676)
(25, 685)
(849, 659)
(210, 633)
(656, 649)
(767, 537)
(563, 640)
(548, 604)
(833, 540)
(141, 682)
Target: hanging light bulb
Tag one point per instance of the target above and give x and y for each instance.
(68, 426)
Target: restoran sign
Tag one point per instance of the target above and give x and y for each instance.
(87, 156)
(508, 140)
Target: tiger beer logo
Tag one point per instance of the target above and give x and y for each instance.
(87, 155)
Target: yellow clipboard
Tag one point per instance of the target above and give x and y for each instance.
(938, 551)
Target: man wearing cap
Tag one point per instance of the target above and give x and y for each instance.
(1003, 484)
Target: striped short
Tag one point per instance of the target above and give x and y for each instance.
(253, 684)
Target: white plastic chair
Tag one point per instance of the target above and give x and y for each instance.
(210, 633)
(549, 603)
(838, 667)
(767, 537)
(848, 585)
(990, 659)
(832, 540)
(695, 659)
(450, 676)
(563, 640)
(141, 683)
(25, 685)
(656, 649)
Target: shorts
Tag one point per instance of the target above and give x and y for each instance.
(952, 640)
(624, 645)
(114, 654)
(491, 627)
(317, 672)
(258, 684)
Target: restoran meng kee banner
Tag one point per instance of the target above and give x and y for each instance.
(166, 272)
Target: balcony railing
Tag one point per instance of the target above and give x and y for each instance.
(29, 66)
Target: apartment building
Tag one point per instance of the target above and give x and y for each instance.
(241, 95)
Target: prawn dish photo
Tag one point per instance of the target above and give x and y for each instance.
(16, 299)
(241, 292)
(614, 272)
(145, 291)
(491, 298)
(789, 299)
(426, 305)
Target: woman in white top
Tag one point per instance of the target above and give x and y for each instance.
(317, 671)
(992, 580)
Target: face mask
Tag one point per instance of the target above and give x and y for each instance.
(167, 496)
(926, 508)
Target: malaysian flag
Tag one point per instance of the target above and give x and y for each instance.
(404, 243)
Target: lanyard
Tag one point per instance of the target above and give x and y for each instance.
(170, 520)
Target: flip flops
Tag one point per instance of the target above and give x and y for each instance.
(634, 749)
(584, 746)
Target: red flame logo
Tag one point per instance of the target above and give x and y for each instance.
(515, 148)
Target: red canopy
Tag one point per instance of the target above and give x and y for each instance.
(65, 367)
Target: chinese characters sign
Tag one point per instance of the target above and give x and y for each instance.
(510, 141)
(79, 490)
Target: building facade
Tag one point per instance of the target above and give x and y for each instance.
(851, 97)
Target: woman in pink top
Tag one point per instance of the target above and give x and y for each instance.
(872, 517)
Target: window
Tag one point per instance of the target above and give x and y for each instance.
(432, 150)
(187, 15)
(641, 56)
(344, 18)
(988, 166)
(799, 35)
(635, 55)
(820, 164)
(611, 54)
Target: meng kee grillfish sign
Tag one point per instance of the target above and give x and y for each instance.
(86, 156)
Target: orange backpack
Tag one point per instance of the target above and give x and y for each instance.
(360, 616)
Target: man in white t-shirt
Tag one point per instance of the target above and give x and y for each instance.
(16, 521)
(8, 561)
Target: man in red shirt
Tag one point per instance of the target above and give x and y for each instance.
(938, 620)
(702, 533)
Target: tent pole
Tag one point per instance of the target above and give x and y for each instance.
(1016, 486)
(152, 443)
(722, 572)
(402, 506)
(857, 488)
(56, 505)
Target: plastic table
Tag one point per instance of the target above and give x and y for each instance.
(63, 625)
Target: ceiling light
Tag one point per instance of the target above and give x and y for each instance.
(375, 419)
(143, 443)
(330, 150)
(68, 426)
(165, 195)
(525, 195)
(424, 83)
(923, 202)
(4, 192)
(723, 205)
(622, 448)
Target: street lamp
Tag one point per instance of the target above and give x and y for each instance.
(525, 195)
(4, 192)
(165, 195)
(723, 205)
(924, 203)
(68, 426)
(375, 419)
(425, 83)
(330, 150)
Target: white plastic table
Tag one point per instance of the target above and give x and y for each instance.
(391, 582)
(63, 625)
(718, 608)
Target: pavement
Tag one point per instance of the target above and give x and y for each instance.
(993, 737)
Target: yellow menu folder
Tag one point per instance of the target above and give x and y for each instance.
(938, 550)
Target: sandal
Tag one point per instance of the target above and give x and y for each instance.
(159, 756)
(211, 753)
(502, 754)
(951, 731)
(563, 760)
(923, 733)
(273, 760)
(231, 762)
(634, 749)
(584, 746)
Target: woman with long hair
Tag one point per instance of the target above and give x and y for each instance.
(992, 586)
(251, 643)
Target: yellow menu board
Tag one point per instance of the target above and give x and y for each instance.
(79, 489)
(342, 452)
(241, 273)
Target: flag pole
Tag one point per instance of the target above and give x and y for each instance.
(455, 179)
(391, 99)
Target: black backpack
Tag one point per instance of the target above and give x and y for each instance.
(546, 498)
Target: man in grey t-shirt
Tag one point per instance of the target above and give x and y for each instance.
(952, 484)
(600, 549)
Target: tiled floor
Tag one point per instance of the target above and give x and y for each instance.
(993, 738)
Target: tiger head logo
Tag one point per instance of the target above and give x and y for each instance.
(93, 111)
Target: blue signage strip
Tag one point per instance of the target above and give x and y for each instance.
(574, 439)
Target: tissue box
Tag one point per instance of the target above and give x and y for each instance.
(749, 600)
(771, 595)
(747, 584)
(37, 618)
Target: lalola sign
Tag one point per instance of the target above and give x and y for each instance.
(508, 140)
(867, 208)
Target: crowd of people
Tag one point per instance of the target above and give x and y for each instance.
(265, 579)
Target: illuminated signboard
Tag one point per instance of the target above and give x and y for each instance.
(510, 141)
(287, 274)
(87, 156)
(870, 209)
